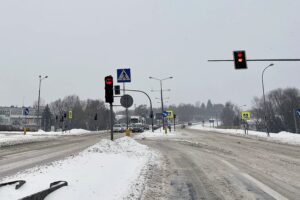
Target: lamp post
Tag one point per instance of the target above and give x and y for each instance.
(265, 107)
(39, 98)
(161, 95)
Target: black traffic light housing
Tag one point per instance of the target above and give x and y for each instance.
(109, 89)
(240, 61)
(96, 117)
(117, 90)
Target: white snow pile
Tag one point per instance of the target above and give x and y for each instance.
(68, 132)
(107, 170)
(282, 137)
(21, 139)
(157, 133)
(13, 138)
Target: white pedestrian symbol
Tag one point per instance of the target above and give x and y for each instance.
(124, 76)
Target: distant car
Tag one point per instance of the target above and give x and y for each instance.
(146, 127)
(118, 128)
(137, 128)
(190, 124)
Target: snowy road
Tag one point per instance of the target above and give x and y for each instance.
(207, 165)
(23, 156)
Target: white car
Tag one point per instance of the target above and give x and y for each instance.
(118, 128)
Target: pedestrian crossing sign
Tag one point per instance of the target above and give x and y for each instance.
(246, 115)
(123, 75)
(170, 114)
(70, 114)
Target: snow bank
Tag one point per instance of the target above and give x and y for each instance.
(159, 133)
(69, 132)
(13, 138)
(283, 137)
(107, 170)
(21, 139)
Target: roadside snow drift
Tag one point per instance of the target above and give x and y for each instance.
(283, 137)
(13, 138)
(107, 170)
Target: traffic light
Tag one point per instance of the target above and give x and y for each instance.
(109, 89)
(240, 61)
(65, 115)
(117, 90)
(96, 117)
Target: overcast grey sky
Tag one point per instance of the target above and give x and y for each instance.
(76, 43)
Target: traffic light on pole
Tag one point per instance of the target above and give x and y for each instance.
(240, 61)
(109, 89)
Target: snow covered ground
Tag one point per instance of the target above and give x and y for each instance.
(159, 133)
(13, 138)
(107, 170)
(283, 137)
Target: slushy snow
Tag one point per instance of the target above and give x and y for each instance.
(107, 170)
(282, 137)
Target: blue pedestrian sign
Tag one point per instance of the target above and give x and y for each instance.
(165, 114)
(123, 75)
(26, 111)
(298, 112)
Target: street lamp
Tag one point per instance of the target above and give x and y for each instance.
(265, 107)
(39, 98)
(161, 95)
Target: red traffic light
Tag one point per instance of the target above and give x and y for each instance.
(240, 61)
(240, 56)
(108, 80)
(109, 91)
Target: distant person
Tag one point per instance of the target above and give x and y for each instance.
(169, 126)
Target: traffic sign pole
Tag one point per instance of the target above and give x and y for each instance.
(111, 122)
(124, 76)
(127, 121)
(295, 119)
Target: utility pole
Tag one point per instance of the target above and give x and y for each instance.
(161, 96)
(39, 99)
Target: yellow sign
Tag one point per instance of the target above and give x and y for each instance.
(70, 114)
(246, 115)
(170, 114)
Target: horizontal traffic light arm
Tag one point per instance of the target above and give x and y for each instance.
(249, 60)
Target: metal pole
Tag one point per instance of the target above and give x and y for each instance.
(38, 111)
(265, 107)
(151, 109)
(126, 111)
(111, 123)
(174, 123)
(295, 120)
(162, 104)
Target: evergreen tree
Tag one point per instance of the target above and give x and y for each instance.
(47, 119)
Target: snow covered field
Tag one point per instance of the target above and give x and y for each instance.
(107, 170)
(283, 137)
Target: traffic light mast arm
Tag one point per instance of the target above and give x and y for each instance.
(263, 60)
